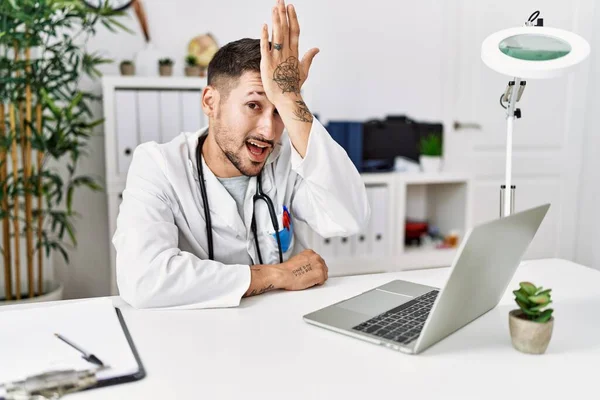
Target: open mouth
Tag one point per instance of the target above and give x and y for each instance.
(258, 150)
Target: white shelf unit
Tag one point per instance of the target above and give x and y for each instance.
(443, 200)
(127, 96)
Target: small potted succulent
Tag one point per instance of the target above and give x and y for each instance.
(431, 153)
(191, 66)
(127, 68)
(165, 67)
(531, 324)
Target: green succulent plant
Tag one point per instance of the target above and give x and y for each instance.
(191, 60)
(165, 61)
(532, 301)
(431, 145)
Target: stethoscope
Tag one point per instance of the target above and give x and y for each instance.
(259, 195)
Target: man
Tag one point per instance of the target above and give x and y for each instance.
(190, 233)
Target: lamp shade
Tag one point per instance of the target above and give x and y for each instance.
(534, 52)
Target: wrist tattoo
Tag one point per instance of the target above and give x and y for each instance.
(261, 291)
(287, 76)
(302, 270)
(302, 112)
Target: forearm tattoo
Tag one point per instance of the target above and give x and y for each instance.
(287, 76)
(302, 112)
(261, 291)
(302, 270)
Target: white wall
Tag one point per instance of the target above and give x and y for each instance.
(380, 51)
(377, 58)
(587, 248)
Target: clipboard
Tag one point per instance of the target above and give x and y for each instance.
(136, 376)
(43, 362)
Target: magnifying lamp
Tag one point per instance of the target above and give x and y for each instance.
(529, 52)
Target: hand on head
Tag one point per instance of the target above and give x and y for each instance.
(281, 72)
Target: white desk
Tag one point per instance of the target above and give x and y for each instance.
(264, 349)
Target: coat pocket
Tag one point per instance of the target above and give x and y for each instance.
(286, 237)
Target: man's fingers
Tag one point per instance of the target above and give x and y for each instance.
(294, 28)
(321, 278)
(283, 23)
(324, 269)
(277, 36)
(264, 41)
(308, 59)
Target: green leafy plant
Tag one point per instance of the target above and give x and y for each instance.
(191, 60)
(165, 61)
(431, 145)
(45, 122)
(533, 300)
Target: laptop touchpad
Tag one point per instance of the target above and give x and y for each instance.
(374, 302)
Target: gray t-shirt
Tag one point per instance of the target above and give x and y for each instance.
(237, 187)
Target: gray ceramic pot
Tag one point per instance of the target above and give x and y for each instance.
(528, 336)
(127, 69)
(165, 70)
(192, 71)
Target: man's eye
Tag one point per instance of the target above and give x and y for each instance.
(253, 106)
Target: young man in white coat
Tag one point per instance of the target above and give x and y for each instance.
(181, 244)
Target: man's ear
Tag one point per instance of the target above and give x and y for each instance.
(210, 101)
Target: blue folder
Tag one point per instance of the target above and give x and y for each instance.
(349, 135)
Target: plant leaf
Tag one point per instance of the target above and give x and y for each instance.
(526, 310)
(528, 287)
(63, 252)
(522, 297)
(547, 292)
(115, 22)
(545, 316)
(539, 299)
(539, 308)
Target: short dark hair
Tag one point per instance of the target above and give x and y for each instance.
(231, 61)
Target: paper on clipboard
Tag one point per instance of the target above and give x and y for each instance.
(28, 345)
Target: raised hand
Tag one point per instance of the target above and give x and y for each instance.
(282, 73)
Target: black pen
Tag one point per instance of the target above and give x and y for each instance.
(86, 356)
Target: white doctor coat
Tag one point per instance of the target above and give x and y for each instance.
(160, 240)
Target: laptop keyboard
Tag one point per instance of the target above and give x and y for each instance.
(402, 324)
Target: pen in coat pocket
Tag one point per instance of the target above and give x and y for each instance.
(286, 218)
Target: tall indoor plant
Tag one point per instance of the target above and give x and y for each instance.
(44, 117)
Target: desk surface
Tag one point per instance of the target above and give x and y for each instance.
(263, 349)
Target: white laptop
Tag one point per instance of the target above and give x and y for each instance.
(410, 317)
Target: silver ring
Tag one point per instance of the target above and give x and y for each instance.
(278, 46)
